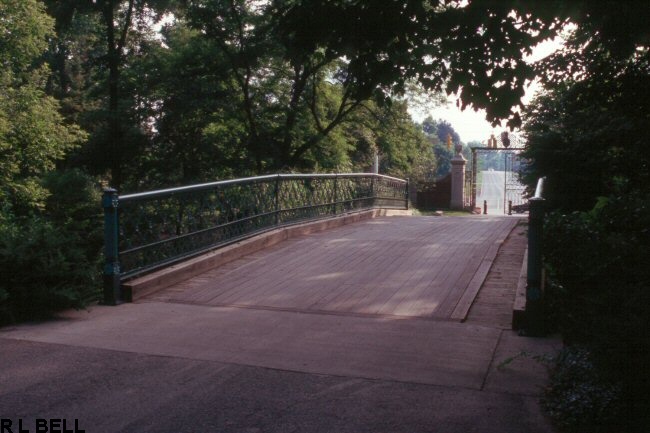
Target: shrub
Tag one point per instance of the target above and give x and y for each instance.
(579, 399)
(599, 293)
(50, 260)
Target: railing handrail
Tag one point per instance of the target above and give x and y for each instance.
(148, 230)
(209, 185)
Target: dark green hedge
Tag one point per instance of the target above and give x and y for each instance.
(598, 297)
(49, 260)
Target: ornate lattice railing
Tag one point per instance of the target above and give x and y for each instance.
(149, 230)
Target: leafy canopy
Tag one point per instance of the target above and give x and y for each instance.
(33, 135)
(588, 132)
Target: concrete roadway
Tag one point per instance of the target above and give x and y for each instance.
(492, 191)
(159, 366)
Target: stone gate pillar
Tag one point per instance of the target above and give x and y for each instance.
(457, 178)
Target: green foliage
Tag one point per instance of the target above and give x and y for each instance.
(585, 143)
(198, 135)
(33, 135)
(40, 272)
(441, 129)
(599, 294)
(24, 31)
(469, 48)
(201, 135)
(300, 69)
(243, 87)
(32, 138)
(48, 246)
(437, 133)
(579, 399)
(389, 131)
(50, 260)
(283, 76)
(587, 133)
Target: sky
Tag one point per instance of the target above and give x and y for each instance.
(471, 125)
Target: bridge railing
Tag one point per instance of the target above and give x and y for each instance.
(534, 321)
(150, 230)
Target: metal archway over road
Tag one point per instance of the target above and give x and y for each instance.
(494, 177)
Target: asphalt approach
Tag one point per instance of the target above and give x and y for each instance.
(169, 365)
(492, 191)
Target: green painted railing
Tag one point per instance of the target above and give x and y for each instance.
(150, 230)
(534, 318)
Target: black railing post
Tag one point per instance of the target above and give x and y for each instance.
(534, 290)
(277, 200)
(408, 192)
(110, 203)
(336, 184)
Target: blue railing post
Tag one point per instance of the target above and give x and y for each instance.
(110, 203)
(534, 291)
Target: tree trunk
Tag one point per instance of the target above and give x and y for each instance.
(113, 61)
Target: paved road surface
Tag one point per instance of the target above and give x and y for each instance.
(492, 191)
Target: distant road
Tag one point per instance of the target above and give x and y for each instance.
(491, 190)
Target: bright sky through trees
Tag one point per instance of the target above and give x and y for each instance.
(471, 125)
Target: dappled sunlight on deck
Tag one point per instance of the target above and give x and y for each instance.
(397, 266)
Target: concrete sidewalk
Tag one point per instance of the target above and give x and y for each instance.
(170, 367)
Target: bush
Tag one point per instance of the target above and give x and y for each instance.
(50, 261)
(579, 399)
(599, 293)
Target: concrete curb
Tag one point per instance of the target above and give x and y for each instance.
(142, 286)
(519, 308)
(465, 303)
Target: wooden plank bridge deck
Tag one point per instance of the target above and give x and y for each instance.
(399, 266)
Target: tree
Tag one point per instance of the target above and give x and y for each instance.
(113, 32)
(293, 70)
(116, 32)
(390, 133)
(441, 129)
(437, 132)
(588, 134)
(196, 135)
(295, 51)
(33, 135)
(42, 264)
